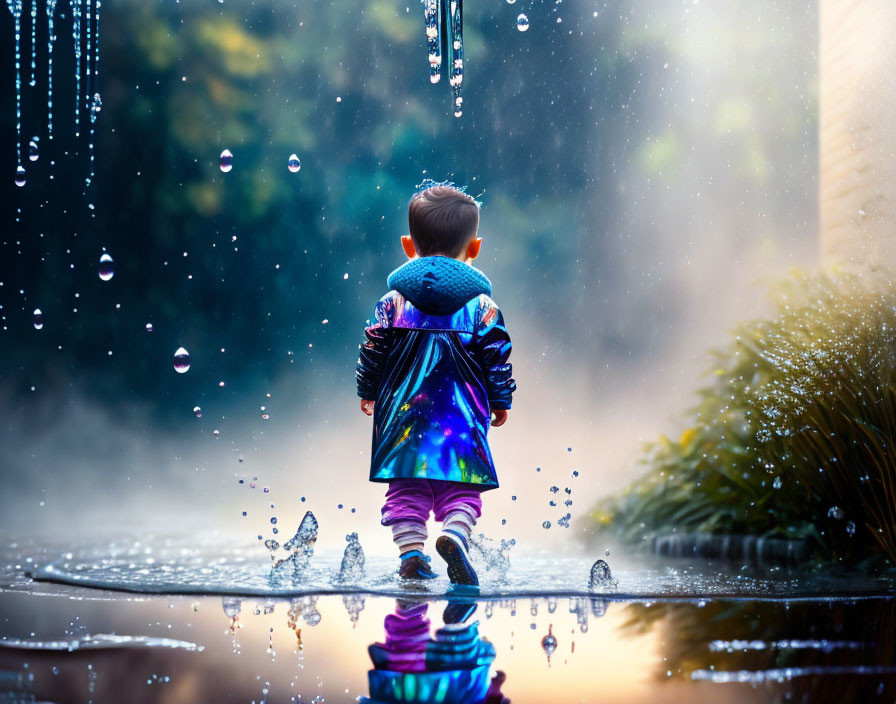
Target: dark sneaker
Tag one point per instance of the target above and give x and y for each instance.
(458, 612)
(454, 552)
(415, 565)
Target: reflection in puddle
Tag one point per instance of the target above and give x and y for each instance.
(451, 665)
(344, 647)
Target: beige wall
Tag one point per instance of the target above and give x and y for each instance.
(857, 134)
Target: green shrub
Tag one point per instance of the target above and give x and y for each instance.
(793, 436)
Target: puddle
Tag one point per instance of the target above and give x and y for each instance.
(665, 632)
(171, 566)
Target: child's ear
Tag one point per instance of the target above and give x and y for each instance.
(407, 244)
(473, 248)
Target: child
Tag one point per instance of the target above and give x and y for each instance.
(433, 372)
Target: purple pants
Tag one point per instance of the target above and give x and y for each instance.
(410, 501)
(407, 636)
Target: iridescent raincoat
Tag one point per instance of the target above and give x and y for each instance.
(435, 361)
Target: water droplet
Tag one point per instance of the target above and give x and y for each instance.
(33, 152)
(95, 106)
(607, 553)
(149, 327)
(38, 319)
(850, 529)
(777, 483)
(836, 513)
(226, 161)
(265, 416)
(522, 23)
(293, 164)
(107, 270)
(549, 643)
(217, 434)
(197, 411)
(271, 544)
(181, 361)
(546, 525)
(20, 176)
(511, 2)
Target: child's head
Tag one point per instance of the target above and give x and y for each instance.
(444, 221)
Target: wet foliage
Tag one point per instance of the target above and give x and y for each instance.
(792, 436)
(736, 642)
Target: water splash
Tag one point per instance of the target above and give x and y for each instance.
(354, 605)
(302, 547)
(578, 605)
(232, 608)
(495, 558)
(306, 607)
(601, 577)
(352, 567)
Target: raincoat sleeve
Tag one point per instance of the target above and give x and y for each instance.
(491, 349)
(374, 350)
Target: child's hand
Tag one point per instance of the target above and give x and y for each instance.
(367, 407)
(499, 417)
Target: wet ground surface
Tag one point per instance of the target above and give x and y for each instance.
(663, 632)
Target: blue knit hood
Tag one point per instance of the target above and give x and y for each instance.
(439, 285)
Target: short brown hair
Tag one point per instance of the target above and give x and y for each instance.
(442, 220)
